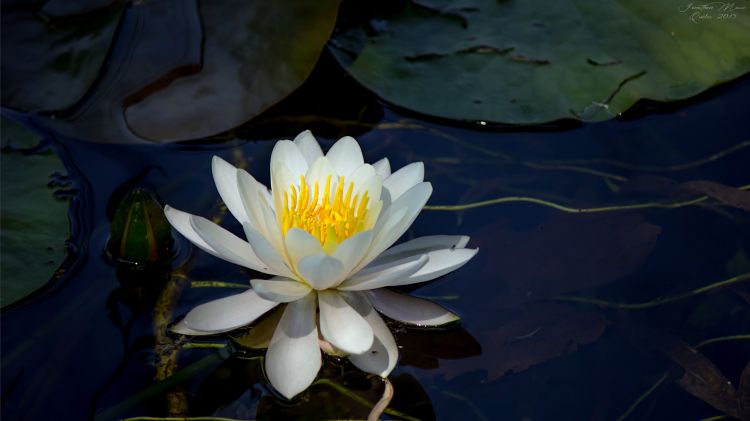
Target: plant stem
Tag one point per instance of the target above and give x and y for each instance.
(656, 302)
(217, 284)
(382, 404)
(612, 208)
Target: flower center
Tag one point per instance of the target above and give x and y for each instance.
(331, 218)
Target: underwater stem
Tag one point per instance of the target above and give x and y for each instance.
(656, 302)
(217, 284)
(517, 199)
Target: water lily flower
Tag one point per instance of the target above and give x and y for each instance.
(323, 231)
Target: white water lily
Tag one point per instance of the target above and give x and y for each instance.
(323, 232)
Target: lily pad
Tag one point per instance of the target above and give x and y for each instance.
(228, 64)
(49, 62)
(253, 56)
(530, 62)
(34, 222)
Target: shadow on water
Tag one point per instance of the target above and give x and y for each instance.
(88, 344)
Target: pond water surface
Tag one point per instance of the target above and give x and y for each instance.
(85, 347)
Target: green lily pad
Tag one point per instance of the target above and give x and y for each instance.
(33, 222)
(530, 62)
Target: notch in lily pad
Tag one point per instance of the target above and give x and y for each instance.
(140, 233)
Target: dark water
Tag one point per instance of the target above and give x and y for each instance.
(83, 347)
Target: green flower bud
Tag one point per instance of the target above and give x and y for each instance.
(140, 232)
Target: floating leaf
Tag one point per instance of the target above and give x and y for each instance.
(530, 62)
(539, 333)
(228, 64)
(34, 222)
(50, 64)
(254, 56)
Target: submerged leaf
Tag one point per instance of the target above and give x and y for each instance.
(725, 194)
(529, 62)
(743, 398)
(537, 334)
(567, 253)
(424, 348)
(702, 378)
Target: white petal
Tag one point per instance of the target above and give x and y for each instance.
(309, 147)
(181, 222)
(341, 325)
(365, 179)
(229, 312)
(281, 181)
(273, 232)
(300, 243)
(225, 178)
(345, 156)
(440, 263)
(320, 270)
(229, 246)
(382, 356)
(280, 289)
(423, 245)
(404, 179)
(384, 275)
(253, 196)
(288, 154)
(397, 219)
(383, 168)
(266, 252)
(293, 357)
(318, 173)
(411, 310)
(351, 251)
(182, 328)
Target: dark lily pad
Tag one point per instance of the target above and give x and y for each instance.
(529, 62)
(184, 70)
(34, 222)
(49, 63)
(254, 55)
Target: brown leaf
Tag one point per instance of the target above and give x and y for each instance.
(424, 348)
(567, 253)
(702, 378)
(743, 398)
(724, 194)
(538, 334)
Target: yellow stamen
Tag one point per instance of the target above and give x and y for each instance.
(337, 216)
